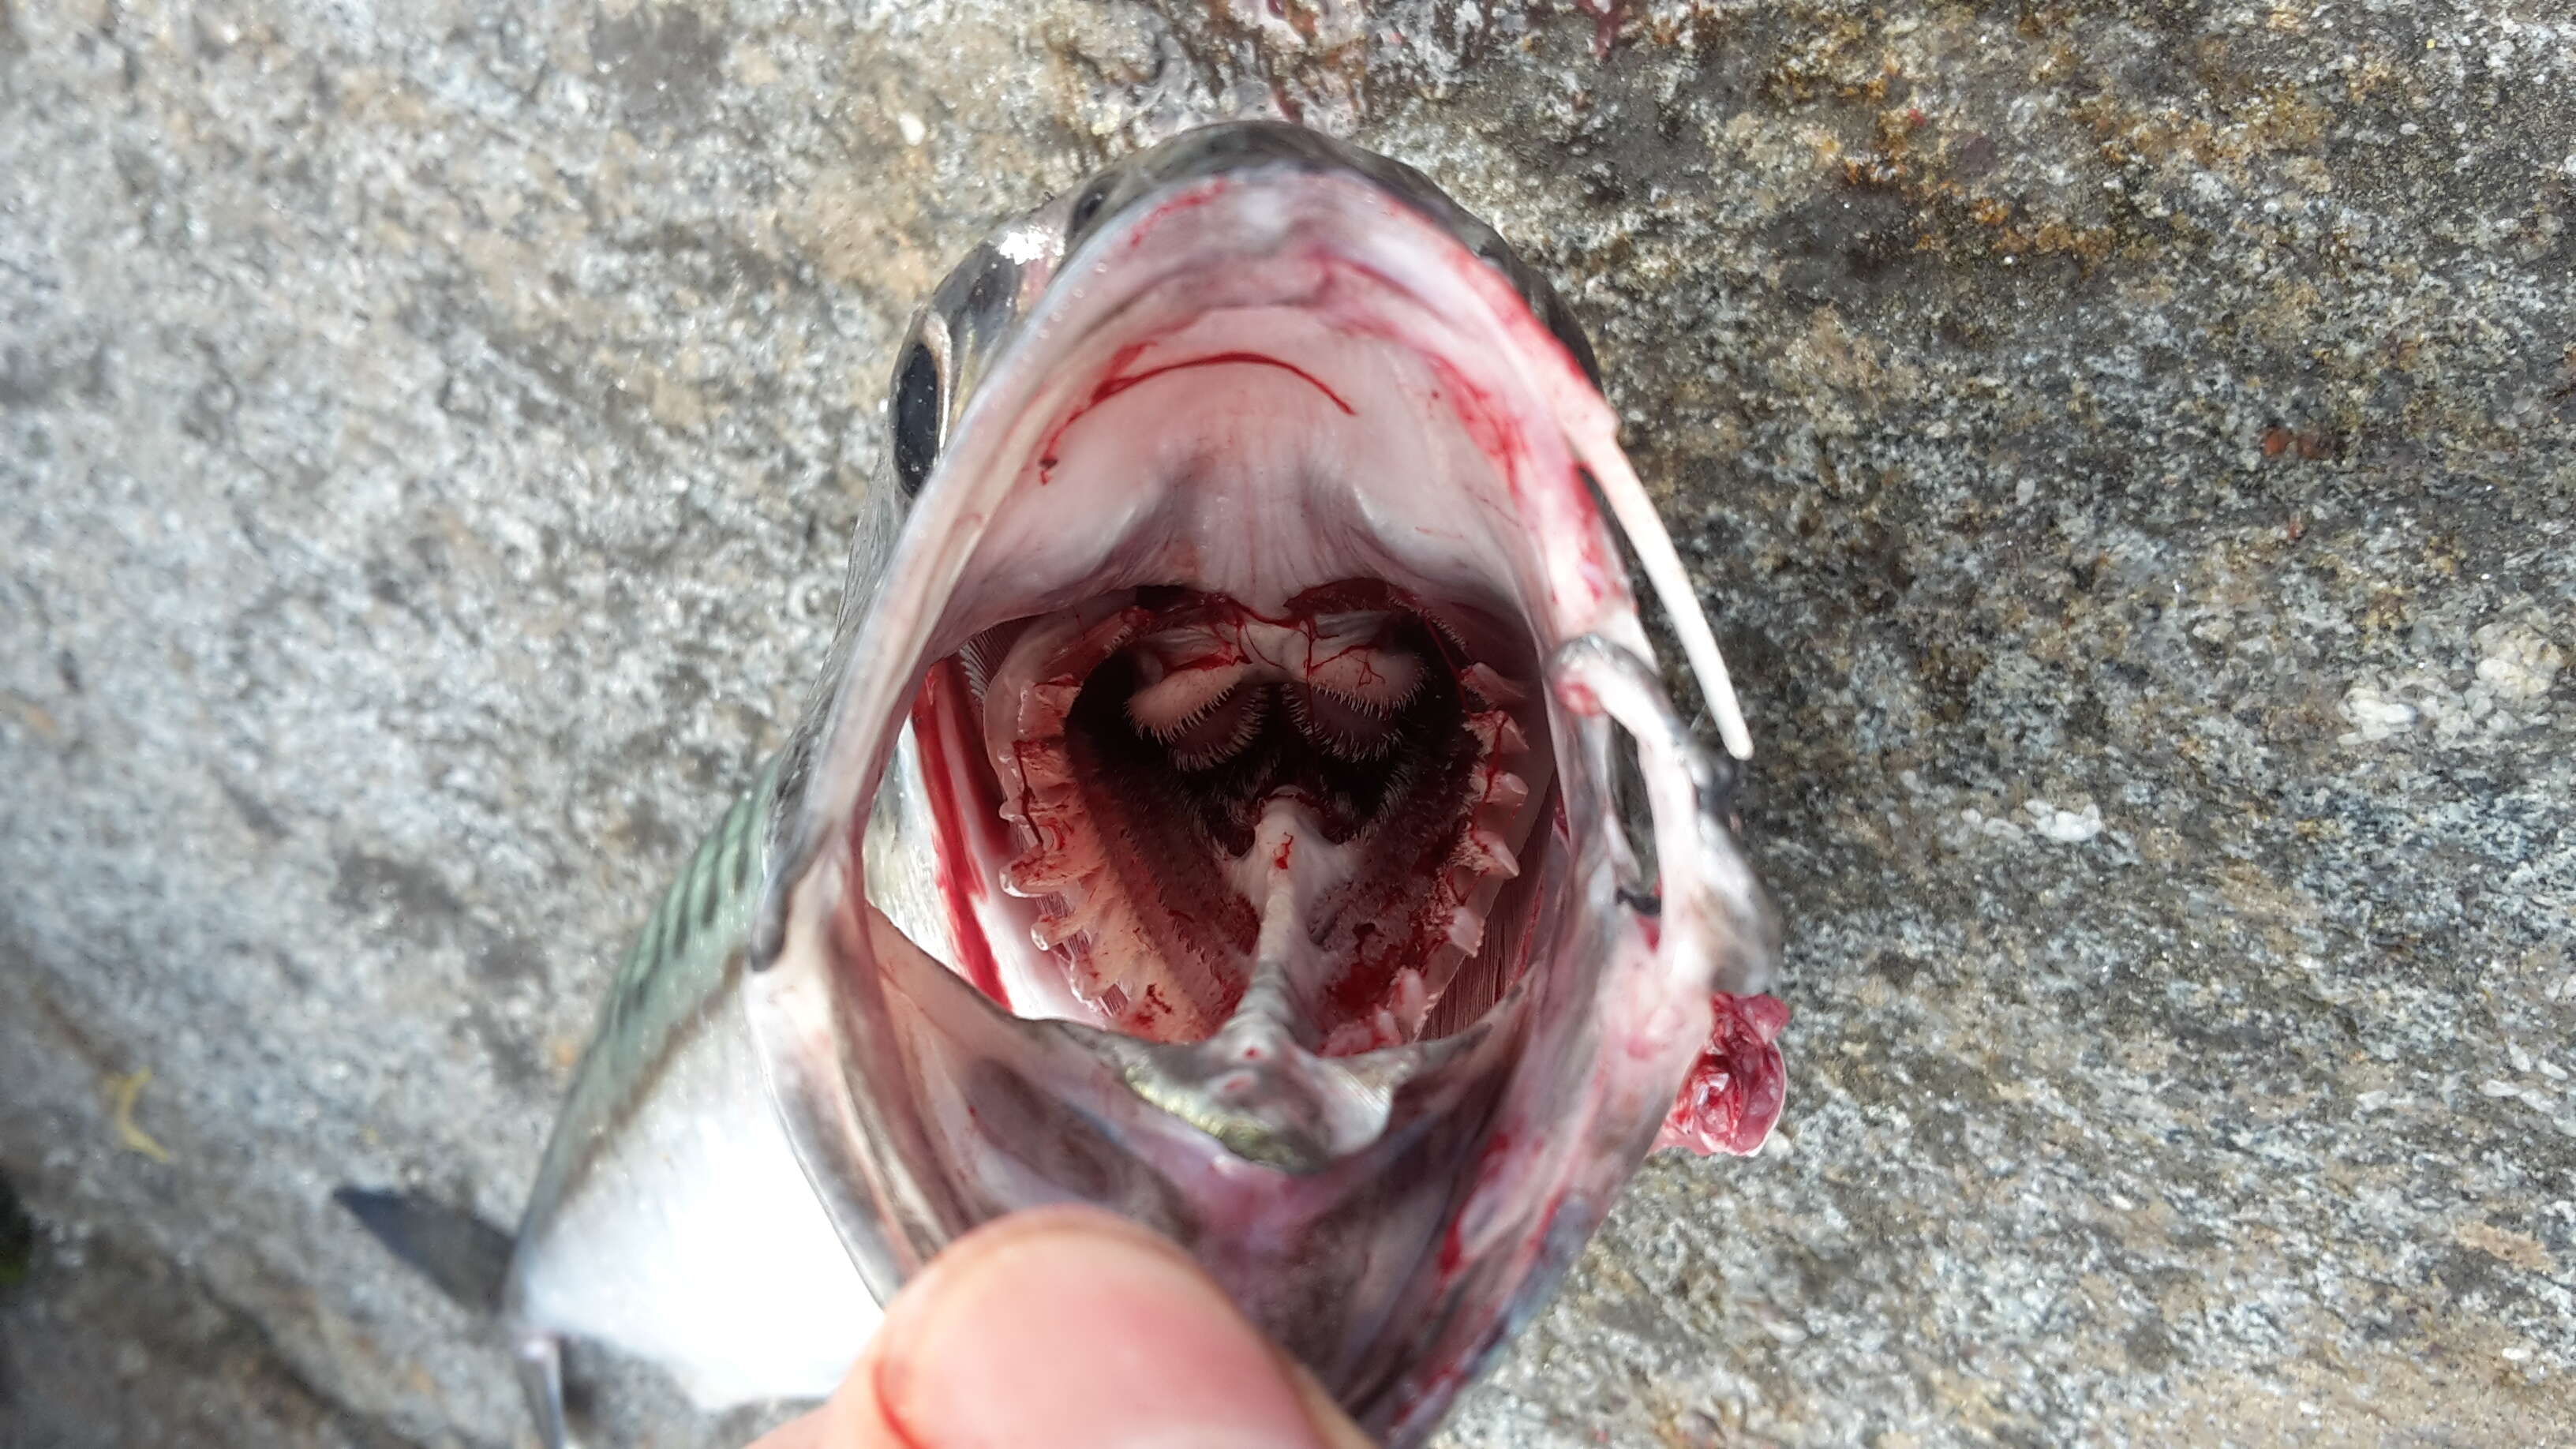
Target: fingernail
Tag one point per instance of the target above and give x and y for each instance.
(1077, 1331)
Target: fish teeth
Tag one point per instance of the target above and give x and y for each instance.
(1488, 684)
(1484, 852)
(1049, 932)
(1497, 733)
(1042, 873)
(1466, 932)
(1505, 790)
(1044, 706)
(1081, 914)
(1046, 766)
(1054, 815)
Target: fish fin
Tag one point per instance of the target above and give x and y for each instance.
(465, 1256)
(540, 1365)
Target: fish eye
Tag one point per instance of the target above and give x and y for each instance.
(916, 418)
(1086, 207)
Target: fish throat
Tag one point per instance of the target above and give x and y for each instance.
(1330, 799)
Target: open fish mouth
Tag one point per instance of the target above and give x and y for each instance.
(1248, 802)
(1311, 812)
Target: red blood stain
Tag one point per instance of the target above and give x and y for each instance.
(1187, 201)
(1496, 1158)
(1488, 427)
(961, 880)
(1735, 1090)
(1346, 288)
(1116, 383)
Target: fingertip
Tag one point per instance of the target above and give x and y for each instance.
(1078, 1329)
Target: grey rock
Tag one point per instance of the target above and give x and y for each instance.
(2131, 451)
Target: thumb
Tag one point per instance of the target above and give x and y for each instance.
(1074, 1329)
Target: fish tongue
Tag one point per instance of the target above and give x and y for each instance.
(1290, 867)
(1258, 1083)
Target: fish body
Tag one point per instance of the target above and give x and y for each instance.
(1244, 799)
(670, 1217)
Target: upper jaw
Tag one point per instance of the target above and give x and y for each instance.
(1270, 245)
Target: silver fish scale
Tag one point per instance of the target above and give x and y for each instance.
(689, 949)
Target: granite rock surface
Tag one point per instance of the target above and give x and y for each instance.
(2130, 451)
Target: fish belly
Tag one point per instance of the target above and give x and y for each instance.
(694, 1241)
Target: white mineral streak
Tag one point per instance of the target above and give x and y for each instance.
(2497, 694)
(2046, 820)
(1993, 827)
(2066, 827)
(2517, 660)
(2374, 716)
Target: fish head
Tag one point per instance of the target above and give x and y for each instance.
(1247, 799)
